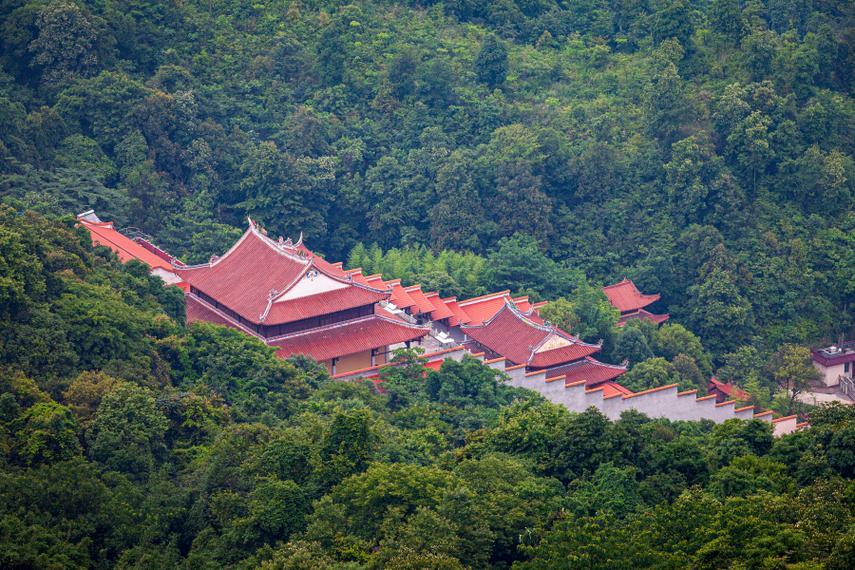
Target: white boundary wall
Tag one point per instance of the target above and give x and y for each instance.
(664, 402)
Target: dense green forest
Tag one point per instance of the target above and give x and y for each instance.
(130, 440)
(703, 149)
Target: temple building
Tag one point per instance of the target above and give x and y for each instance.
(524, 339)
(626, 297)
(281, 293)
(285, 295)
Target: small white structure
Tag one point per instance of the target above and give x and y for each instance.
(836, 363)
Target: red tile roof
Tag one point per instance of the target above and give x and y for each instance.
(516, 337)
(483, 308)
(611, 389)
(356, 276)
(349, 337)
(103, 233)
(322, 264)
(625, 296)
(442, 311)
(256, 267)
(322, 304)
(459, 315)
(642, 314)
(197, 311)
(523, 304)
(591, 371)
(423, 304)
(375, 280)
(400, 297)
(549, 358)
(729, 390)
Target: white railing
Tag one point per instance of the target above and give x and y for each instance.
(847, 386)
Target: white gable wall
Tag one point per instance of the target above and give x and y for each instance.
(312, 283)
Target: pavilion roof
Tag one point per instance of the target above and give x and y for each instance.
(356, 276)
(321, 263)
(729, 390)
(321, 304)
(349, 337)
(400, 297)
(253, 277)
(613, 389)
(521, 340)
(375, 280)
(625, 296)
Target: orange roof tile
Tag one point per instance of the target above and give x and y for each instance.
(400, 297)
(729, 390)
(258, 270)
(588, 370)
(459, 315)
(480, 309)
(423, 303)
(442, 311)
(348, 337)
(645, 315)
(103, 233)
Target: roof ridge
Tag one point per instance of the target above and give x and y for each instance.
(606, 364)
(276, 246)
(373, 316)
(621, 282)
(486, 296)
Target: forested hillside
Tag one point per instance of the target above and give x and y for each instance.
(128, 440)
(702, 148)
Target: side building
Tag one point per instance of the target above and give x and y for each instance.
(631, 302)
(526, 341)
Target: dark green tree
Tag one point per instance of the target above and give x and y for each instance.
(491, 63)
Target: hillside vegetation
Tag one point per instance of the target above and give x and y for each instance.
(702, 148)
(128, 440)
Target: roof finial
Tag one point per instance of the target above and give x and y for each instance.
(300, 239)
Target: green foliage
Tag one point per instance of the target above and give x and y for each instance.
(518, 262)
(632, 345)
(705, 149)
(651, 373)
(128, 430)
(491, 63)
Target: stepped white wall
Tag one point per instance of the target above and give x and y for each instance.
(665, 402)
